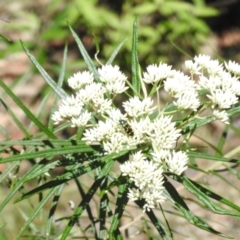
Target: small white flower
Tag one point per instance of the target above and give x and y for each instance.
(233, 67)
(160, 156)
(80, 79)
(116, 87)
(214, 68)
(104, 130)
(163, 133)
(177, 162)
(69, 108)
(92, 136)
(57, 117)
(211, 83)
(202, 60)
(115, 114)
(109, 73)
(102, 105)
(81, 120)
(230, 83)
(192, 67)
(141, 128)
(91, 91)
(134, 107)
(138, 156)
(221, 116)
(134, 194)
(115, 143)
(147, 177)
(221, 99)
(156, 73)
(188, 100)
(152, 197)
(178, 84)
(113, 78)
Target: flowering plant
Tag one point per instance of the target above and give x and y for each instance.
(148, 138)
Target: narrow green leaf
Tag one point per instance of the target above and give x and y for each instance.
(16, 187)
(59, 83)
(15, 119)
(122, 200)
(44, 142)
(222, 141)
(207, 156)
(190, 217)
(26, 110)
(135, 65)
(203, 195)
(81, 207)
(107, 167)
(43, 167)
(52, 211)
(2, 225)
(72, 172)
(157, 224)
(115, 52)
(104, 208)
(59, 91)
(37, 210)
(48, 153)
(87, 59)
(196, 123)
(6, 172)
(88, 208)
(233, 111)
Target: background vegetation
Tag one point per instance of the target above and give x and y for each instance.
(169, 31)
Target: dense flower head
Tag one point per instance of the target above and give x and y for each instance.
(147, 177)
(149, 131)
(80, 79)
(156, 73)
(135, 107)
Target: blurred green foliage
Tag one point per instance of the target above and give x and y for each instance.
(160, 23)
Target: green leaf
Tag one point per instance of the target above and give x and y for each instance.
(207, 156)
(15, 119)
(72, 172)
(50, 220)
(203, 195)
(104, 209)
(26, 110)
(42, 168)
(44, 142)
(87, 59)
(88, 208)
(59, 83)
(122, 200)
(16, 187)
(7, 171)
(115, 52)
(81, 207)
(59, 91)
(156, 222)
(190, 217)
(135, 65)
(48, 153)
(37, 210)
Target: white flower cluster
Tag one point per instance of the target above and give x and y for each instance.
(92, 108)
(147, 174)
(89, 95)
(147, 177)
(221, 84)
